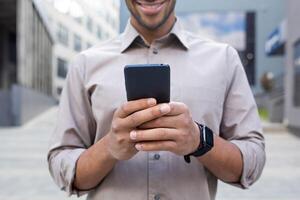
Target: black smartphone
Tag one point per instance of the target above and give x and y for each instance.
(148, 81)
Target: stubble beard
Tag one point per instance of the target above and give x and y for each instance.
(154, 27)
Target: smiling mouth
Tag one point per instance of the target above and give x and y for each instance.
(150, 5)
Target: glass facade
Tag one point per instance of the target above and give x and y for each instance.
(233, 27)
(297, 74)
(79, 25)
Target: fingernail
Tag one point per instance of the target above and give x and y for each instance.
(151, 102)
(133, 135)
(165, 108)
(138, 147)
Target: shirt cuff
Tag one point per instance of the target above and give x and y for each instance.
(253, 161)
(70, 171)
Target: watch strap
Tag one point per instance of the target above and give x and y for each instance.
(206, 143)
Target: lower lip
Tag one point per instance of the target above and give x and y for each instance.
(151, 10)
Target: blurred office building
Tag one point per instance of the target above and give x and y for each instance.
(78, 25)
(38, 40)
(284, 41)
(244, 24)
(25, 61)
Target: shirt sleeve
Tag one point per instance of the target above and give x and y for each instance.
(241, 123)
(74, 131)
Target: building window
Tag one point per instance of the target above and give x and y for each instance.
(63, 34)
(99, 33)
(297, 74)
(62, 68)
(107, 35)
(88, 45)
(77, 43)
(108, 19)
(59, 90)
(12, 38)
(89, 24)
(78, 19)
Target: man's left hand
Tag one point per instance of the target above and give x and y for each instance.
(175, 132)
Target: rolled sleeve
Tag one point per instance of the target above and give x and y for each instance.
(63, 167)
(74, 131)
(253, 162)
(241, 123)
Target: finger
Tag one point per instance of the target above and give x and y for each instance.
(133, 106)
(140, 117)
(162, 122)
(153, 134)
(156, 146)
(177, 108)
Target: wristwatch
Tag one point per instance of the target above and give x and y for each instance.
(206, 143)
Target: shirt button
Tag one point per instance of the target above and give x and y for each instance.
(157, 197)
(155, 51)
(156, 156)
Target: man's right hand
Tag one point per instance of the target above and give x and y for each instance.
(96, 162)
(126, 118)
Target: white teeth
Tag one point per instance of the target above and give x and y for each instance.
(150, 4)
(153, 6)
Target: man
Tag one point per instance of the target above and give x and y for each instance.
(113, 149)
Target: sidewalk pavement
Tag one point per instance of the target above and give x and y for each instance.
(281, 177)
(23, 161)
(24, 174)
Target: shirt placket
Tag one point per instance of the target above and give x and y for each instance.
(154, 158)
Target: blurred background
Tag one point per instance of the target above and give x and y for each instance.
(39, 38)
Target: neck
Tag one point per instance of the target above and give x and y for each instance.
(151, 35)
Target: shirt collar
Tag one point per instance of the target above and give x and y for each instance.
(130, 35)
(180, 33)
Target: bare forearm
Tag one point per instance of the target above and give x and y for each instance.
(93, 165)
(224, 160)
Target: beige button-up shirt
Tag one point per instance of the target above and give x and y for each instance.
(207, 76)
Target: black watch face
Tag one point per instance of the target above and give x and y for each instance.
(209, 137)
(207, 141)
